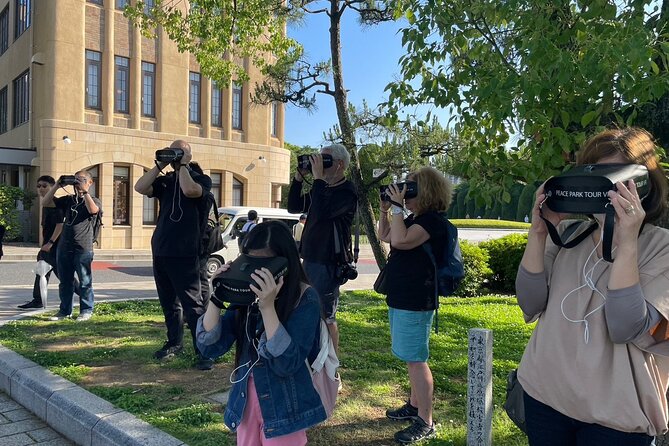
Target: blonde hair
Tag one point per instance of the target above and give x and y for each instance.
(435, 191)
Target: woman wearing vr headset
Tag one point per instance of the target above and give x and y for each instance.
(272, 400)
(410, 291)
(596, 369)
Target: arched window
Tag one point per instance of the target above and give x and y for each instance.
(237, 192)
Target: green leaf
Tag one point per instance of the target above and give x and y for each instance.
(588, 117)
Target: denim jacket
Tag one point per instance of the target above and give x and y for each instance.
(288, 400)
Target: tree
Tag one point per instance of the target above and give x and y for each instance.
(221, 33)
(527, 82)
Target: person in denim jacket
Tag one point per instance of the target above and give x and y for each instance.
(272, 400)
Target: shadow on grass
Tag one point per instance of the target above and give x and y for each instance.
(122, 337)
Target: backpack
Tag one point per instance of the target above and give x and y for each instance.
(323, 371)
(212, 239)
(450, 271)
(96, 222)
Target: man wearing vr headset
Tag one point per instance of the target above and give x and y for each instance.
(75, 249)
(176, 246)
(330, 204)
(596, 369)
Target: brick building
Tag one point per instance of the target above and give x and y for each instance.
(80, 88)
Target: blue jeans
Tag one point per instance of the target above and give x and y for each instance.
(548, 427)
(69, 263)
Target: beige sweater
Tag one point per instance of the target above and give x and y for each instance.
(621, 386)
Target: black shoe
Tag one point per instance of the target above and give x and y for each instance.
(406, 412)
(419, 430)
(203, 363)
(31, 304)
(168, 351)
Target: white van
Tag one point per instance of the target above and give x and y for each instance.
(232, 220)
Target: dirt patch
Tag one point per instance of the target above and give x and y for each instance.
(194, 382)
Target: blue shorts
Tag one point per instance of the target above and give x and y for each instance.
(410, 334)
(322, 278)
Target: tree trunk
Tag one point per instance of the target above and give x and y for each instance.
(348, 134)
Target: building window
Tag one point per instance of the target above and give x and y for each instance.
(22, 17)
(3, 110)
(216, 106)
(274, 119)
(148, 89)
(194, 101)
(237, 192)
(216, 186)
(4, 29)
(237, 106)
(95, 175)
(93, 79)
(97, 2)
(148, 6)
(120, 4)
(121, 102)
(121, 195)
(21, 108)
(149, 209)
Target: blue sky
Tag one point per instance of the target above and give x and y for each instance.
(370, 56)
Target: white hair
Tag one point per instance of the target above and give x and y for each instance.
(339, 152)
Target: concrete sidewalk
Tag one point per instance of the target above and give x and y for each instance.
(28, 252)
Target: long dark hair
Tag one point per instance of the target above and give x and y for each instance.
(276, 236)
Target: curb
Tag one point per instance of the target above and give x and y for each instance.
(80, 416)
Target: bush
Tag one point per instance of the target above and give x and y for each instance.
(477, 271)
(505, 255)
(9, 216)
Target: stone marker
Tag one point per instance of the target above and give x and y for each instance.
(479, 388)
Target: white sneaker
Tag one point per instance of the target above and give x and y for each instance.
(84, 316)
(60, 316)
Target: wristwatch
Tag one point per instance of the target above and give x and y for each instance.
(84, 192)
(395, 210)
(52, 242)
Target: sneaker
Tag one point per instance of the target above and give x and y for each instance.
(406, 412)
(419, 430)
(168, 351)
(31, 304)
(203, 363)
(59, 316)
(84, 316)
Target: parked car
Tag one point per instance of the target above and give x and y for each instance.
(232, 220)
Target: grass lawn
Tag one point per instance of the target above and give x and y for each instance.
(492, 224)
(111, 357)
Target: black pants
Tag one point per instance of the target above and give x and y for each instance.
(548, 427)
(178, 285)
(50, 258)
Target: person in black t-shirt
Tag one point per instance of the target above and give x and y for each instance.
(75, 248)
(52, 227)
(176, 247)
(331, 202)
(411, 298)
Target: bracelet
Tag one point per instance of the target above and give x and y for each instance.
(52, 242)
(84, 192)
(396, 210)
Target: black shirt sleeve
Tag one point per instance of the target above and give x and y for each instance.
(204, 181)
(158, 187)
(297, 202)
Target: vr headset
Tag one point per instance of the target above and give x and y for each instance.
(584, 190)
(168, 155)
(234, 285)
(411, 190)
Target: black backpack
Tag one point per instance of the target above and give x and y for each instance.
(212, 239)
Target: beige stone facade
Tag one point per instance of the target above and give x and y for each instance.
(250, 163)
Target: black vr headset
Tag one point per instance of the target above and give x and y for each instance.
(584, 190)
(234, 285)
